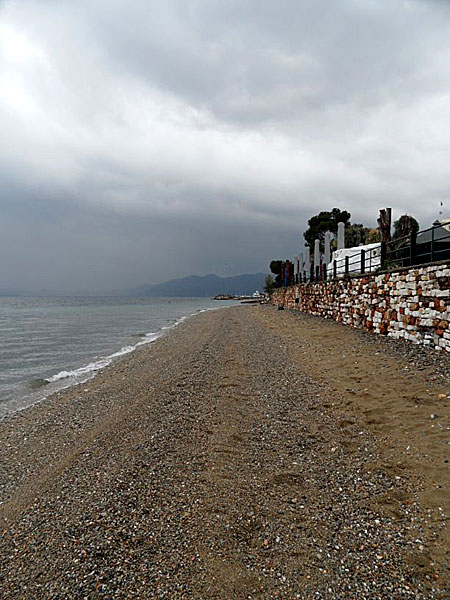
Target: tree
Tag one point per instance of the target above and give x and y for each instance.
(373, 236)
(276, 268)
(324, 221)
(355, 235)
(405, 226)
(269, 284)
(399, 247)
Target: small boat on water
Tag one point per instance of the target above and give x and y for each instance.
(255, 298)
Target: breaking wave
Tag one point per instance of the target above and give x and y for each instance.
(86, 372)
(93, 367)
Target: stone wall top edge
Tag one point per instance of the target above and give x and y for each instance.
(373, 275)
(400, 269)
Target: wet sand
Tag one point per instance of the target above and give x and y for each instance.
(250, 453)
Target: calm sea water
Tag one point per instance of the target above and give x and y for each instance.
(47, 344)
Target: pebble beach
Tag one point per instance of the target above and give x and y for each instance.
(248, 453)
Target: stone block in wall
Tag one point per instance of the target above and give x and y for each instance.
(439, 305)
(383, 328)
(424, 322)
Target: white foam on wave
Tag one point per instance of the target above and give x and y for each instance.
(88, 371)
(67, 378)
(97, 365)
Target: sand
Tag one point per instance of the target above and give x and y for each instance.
(249, 453)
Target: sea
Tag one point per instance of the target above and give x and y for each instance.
(47, 344)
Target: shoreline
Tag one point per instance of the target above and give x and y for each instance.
(56, 383)
(71, 403)
(234, 421)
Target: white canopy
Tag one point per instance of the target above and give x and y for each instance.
(372, 260)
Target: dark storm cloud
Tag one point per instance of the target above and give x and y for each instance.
(145, 140)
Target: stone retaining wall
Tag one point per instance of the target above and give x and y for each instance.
(413, 304)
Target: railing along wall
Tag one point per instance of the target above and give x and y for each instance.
(422, 248)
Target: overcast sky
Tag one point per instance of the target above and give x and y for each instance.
(142, 140)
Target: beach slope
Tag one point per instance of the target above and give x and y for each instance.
(249, 453)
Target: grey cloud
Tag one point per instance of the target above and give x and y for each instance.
(154, 139)
(278, 59)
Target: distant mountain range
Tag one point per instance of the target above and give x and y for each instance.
(202, 286)
(188, 287)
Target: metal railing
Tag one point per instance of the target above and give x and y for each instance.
(427, 246)
(365, 260)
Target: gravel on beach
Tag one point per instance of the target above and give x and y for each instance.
(216, 464)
